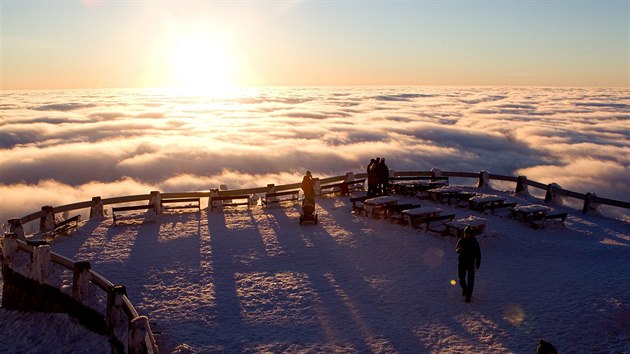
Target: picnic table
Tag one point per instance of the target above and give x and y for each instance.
(482, 202)
(415, 216)
(445, 193)
(456, 227)
(413, 187)
(530, 212)
(376, 206)
(536, 214)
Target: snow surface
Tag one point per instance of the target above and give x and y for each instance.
(255, 280)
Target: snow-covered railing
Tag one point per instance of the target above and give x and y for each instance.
(32, 282)
(589, 200)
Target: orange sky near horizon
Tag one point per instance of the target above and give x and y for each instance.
(209, 45)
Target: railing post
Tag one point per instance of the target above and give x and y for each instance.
(15, 226)
(96, 210)
(47, 221)
(317, 186)
(214, 192)
(9, 248)
(271, 188)
(156, 200)
(81, 277)
(116, 318)
(41, 262)
(552, 195)
(589, 205)
(437, 173)
(484, 179)
(521, 185)
(139, 328)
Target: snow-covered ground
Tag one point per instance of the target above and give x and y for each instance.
(256, 281)
(36, 332)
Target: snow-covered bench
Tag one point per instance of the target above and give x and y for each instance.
(356, 207)
(63, 227)
(279, 197)
(483, 202)
(395, 212)
(456, 228)
(132, 208)
(231, 200)
(178, 203)
(536, 215)
(416, 216)
(342, 187)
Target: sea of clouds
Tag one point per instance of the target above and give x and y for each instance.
(59, 147)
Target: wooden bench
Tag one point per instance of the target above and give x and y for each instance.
(178, 201)
(441, 228)
(491, 205)
(418, 222)
(277, 197)
(505, 206)
(355, 200)
(415, 216)
(457, 227)
(394, 212)
(132, 208)
(229, 200)
(338, 187)
(538, 222)
(63, 227)
(419, 178)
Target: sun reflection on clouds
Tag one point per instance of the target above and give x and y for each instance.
(272, 135)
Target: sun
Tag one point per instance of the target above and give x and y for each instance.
(201, 63)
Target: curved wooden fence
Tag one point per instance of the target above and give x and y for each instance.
(138, 326)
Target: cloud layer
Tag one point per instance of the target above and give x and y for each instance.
(66, 146)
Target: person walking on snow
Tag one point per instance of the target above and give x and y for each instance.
(469, 259)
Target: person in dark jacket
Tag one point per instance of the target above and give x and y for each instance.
(372, 177)
(469, 259)
(383, 177)
(308, 187)
(545, 347)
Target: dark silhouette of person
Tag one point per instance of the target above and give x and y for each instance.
(372, 178)
(383, 177)
(308, 186)
(545, 347)
(469, 258)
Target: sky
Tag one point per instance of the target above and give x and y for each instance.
(211, 45)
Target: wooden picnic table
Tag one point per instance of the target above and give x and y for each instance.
(456, 227)
(376, 206)
(537, 214)
(482, 202)
(415, 216)
(530, 212)
(447, 193)
(413, 187)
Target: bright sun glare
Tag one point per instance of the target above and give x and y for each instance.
(201, 63)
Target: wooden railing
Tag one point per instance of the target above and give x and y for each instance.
(123, 339)
(585, 197)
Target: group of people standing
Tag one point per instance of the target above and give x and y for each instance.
(378, 177)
